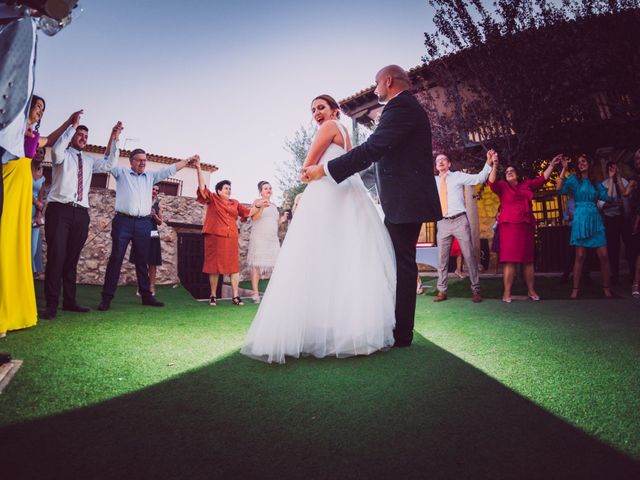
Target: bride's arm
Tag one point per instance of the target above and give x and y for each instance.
(323, 139)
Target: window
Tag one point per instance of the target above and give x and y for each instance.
(99, 180)
(548, 207)
(171, 187)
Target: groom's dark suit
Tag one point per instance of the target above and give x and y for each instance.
(401, 146)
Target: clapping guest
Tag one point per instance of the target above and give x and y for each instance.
(516, 222)
(264, 244)
(587, 229)
(67, 216)
(133, 224)
(220, 230)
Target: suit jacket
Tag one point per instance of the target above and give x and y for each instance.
(401, 148)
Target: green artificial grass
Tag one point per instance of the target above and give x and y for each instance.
(525, 390)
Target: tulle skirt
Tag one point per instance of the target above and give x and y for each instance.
(332, 291)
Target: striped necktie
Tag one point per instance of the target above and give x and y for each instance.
(80, 178)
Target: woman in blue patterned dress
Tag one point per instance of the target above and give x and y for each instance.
(587, 228)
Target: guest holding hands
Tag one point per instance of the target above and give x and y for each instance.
(516, 222)
(220, 230)
(133, 223)
(587, 229)
(264, 244)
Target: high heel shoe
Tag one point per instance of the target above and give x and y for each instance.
(607, 291)
(574, 294)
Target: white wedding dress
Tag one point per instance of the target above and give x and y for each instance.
(332, 291)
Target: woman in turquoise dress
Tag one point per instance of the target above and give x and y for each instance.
(587, 228)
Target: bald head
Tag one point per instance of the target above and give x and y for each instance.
(390, 81)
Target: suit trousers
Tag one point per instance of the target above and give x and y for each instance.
(66, 229)
(459, 228)
(404, 237)
(125, 230)
(616, 228)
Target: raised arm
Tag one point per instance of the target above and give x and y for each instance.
(201, 186)
(112, 152)
(565, 165)
(552, 164)
(55, 135)
(57, 152)
(493, 156)
(480, 177)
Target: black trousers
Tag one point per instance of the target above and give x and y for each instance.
(66, 229)
(123, 231)
(618, 228)
(404, 237)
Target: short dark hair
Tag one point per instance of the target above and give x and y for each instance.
(221, 184)
(82, 127)
(517, 170)
(330, 100)
(135, 152)
(611, 162)
(261, 184)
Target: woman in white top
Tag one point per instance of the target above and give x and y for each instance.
(313, 305)
(264, 244)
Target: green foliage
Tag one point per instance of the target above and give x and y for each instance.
(288, 173)
(531, 77)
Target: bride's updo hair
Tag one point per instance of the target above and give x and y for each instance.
(332, 103)
(261, 184)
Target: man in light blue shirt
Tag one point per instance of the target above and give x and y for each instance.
(132, 223)
(455, 224)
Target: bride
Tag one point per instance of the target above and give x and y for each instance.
(332, 291)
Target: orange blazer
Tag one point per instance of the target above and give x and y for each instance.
(221, 214)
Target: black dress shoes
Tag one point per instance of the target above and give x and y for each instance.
(152, 302)
(104, 305)
(76, 308)
(48, 314)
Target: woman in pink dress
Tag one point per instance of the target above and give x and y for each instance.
(517, 223)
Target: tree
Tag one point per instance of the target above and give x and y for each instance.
(529, 76)
(288, 173)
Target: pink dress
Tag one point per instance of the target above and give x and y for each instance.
(516, 222)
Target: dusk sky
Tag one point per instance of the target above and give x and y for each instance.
(229, 81)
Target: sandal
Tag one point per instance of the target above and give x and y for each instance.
(635, 291)
(237, 301)
(213, 301)
(574, 294)
(607, 291)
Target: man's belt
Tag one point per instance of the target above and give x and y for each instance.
(454, 216)
(69, 204)
(133, 216)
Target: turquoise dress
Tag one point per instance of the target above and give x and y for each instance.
(587, 229)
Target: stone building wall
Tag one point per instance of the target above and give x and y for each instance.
(95, 254)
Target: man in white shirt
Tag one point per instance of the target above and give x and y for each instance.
(455, 224)
(132, 223)
(67, 216)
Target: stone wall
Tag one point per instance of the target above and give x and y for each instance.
(95, 254)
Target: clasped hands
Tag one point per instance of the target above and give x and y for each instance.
(311, 172)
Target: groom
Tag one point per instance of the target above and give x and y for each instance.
(401, 148)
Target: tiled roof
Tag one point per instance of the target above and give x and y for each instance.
(151, 157)
(413, 72)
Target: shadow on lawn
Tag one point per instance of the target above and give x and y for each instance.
(414, 413)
